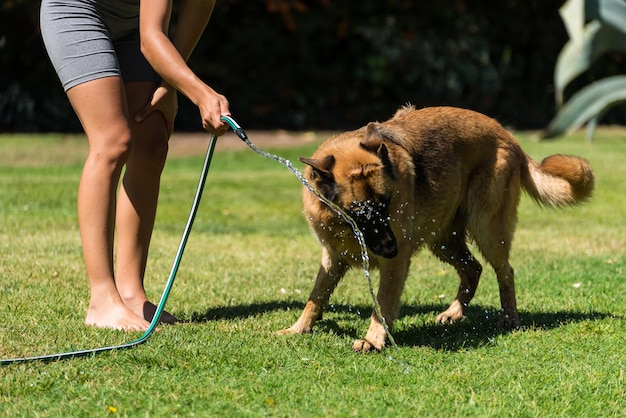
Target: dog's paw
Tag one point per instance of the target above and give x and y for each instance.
(288, 331)
(364, 346)
(508, 321)
(295, 329)
(444, 318)
(451, 315)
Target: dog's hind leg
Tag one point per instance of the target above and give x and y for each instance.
(452, 249)
(494, 241)
(497, 254)
(330, 272)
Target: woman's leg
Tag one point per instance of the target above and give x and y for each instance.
(101, 107)
(137, 201)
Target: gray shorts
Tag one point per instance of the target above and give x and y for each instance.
(91, 39)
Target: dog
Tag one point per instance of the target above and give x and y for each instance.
(434, 177)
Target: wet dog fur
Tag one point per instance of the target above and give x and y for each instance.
(433, 178)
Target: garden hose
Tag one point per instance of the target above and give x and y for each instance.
(170, 281)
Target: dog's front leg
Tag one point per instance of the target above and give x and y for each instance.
(392, 278)
(330, 272)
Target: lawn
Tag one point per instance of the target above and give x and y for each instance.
(249, 265)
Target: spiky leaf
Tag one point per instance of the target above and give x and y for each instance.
(576, 57)
(590, 101)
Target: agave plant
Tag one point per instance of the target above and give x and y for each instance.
(595, 27)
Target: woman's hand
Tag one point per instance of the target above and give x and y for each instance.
(164, 100)
(213, 106)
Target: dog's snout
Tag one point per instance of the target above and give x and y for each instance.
(381, 241)
(384, 246)
(373, 220)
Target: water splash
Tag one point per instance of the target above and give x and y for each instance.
(357, 232)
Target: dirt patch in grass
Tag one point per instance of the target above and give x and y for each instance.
(187, 144)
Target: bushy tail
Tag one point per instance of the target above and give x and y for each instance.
(560, 180)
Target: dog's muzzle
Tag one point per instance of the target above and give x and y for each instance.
(373, 221)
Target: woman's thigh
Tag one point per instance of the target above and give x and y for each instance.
(77, 42)
(100, 105)
(87, 40)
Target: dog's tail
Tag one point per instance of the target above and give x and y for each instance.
(560, 180)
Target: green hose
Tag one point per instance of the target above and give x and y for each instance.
(170, 281)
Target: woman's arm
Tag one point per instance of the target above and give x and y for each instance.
(193, 16)
(168, 57)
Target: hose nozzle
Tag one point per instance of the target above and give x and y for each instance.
(238, 130)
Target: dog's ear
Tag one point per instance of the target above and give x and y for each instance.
(373, 140)
(322, 175)
(322, 167)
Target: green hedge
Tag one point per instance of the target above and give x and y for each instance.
(328, 64)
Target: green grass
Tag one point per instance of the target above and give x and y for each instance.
(247, 271)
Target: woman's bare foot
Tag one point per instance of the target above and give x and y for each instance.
(117, 316)
(145, 309)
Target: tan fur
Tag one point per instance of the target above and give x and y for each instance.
(430, 177)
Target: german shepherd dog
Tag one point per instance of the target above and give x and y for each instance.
(434, 177)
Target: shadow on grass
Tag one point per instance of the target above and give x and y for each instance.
(244, 311)
(477, 329)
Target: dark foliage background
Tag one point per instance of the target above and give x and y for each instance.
(329, 64)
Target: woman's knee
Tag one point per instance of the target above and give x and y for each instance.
(112, 148)
(101, 108)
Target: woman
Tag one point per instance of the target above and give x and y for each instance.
(121, 71)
